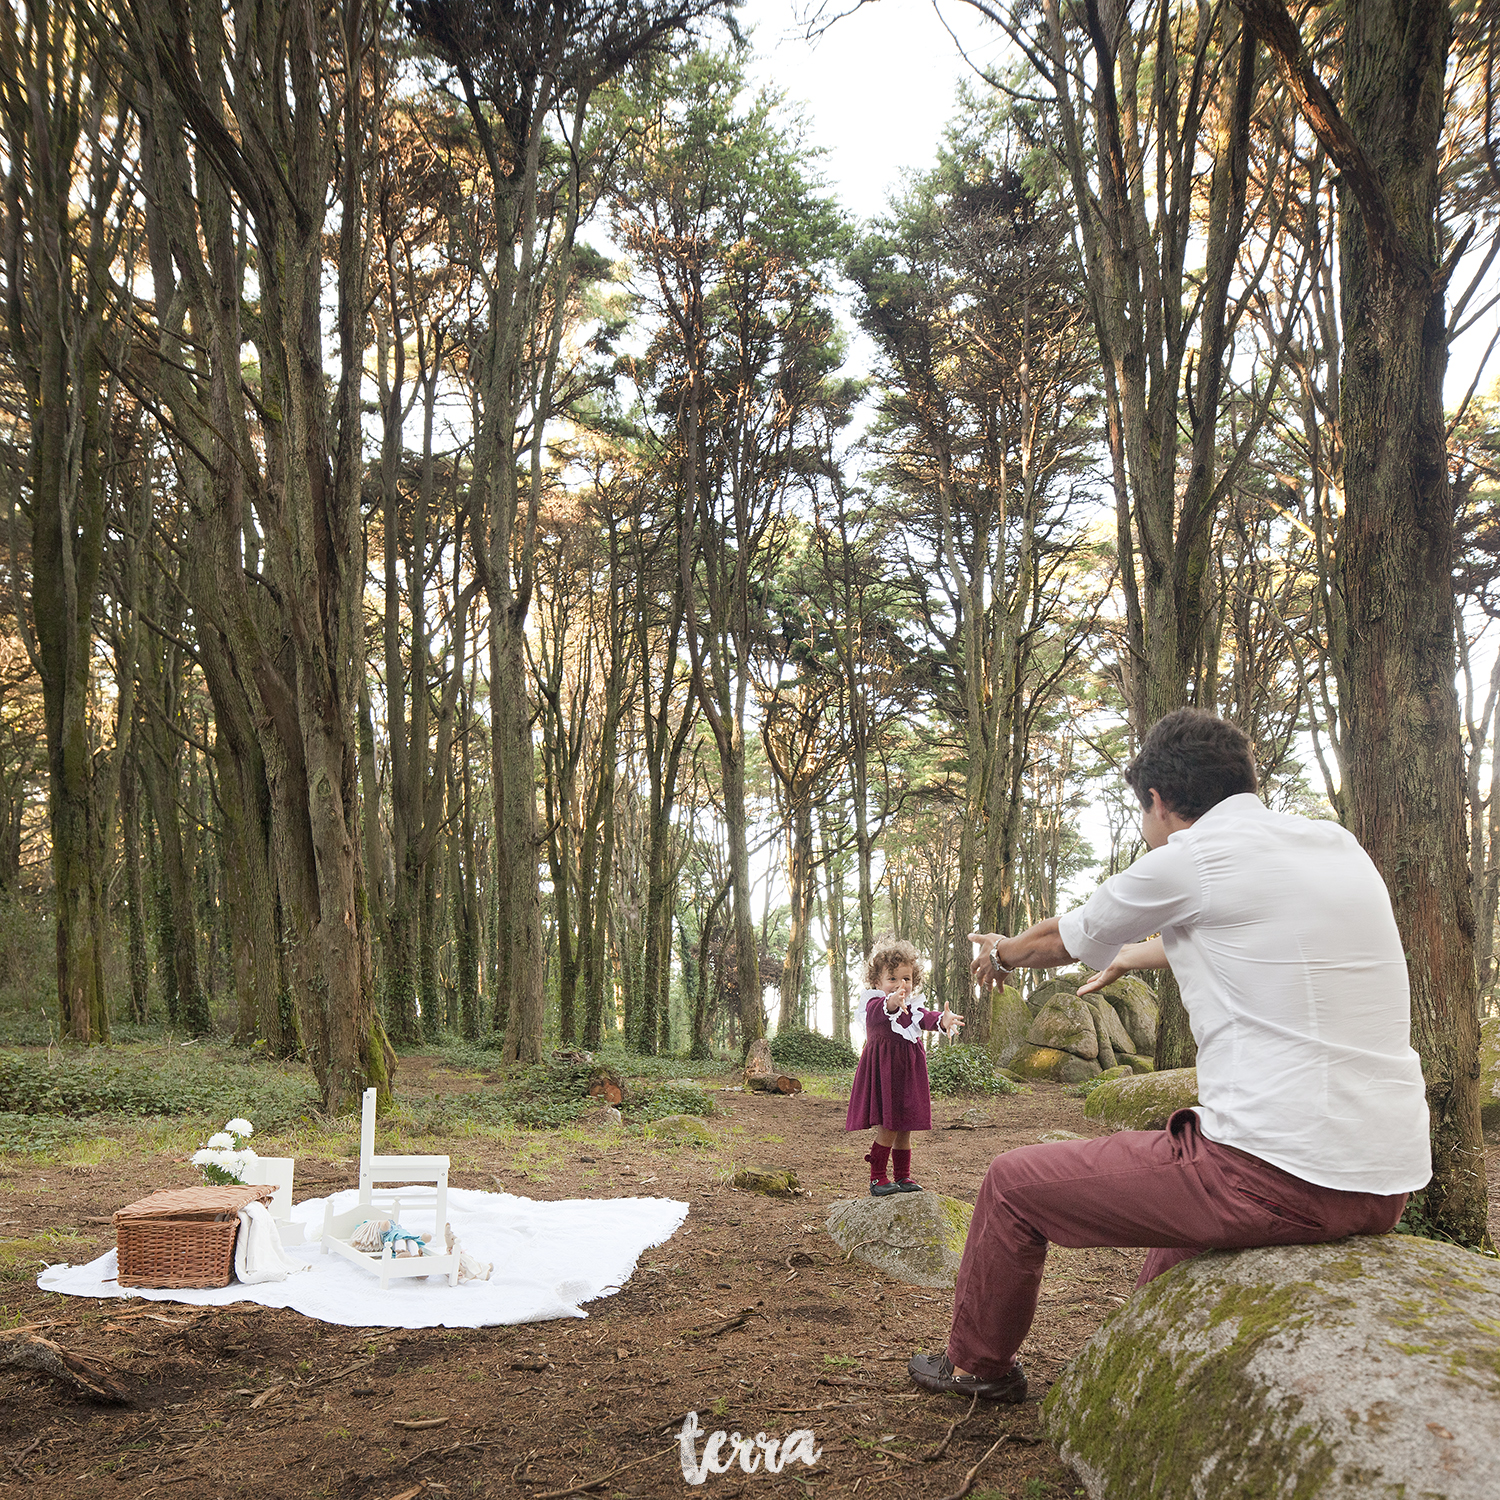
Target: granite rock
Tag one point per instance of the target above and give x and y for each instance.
(1368, 1367)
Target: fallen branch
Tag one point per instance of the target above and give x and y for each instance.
(20, 1458)
(735, 1320)
(422, 1425)
(95, 1377)
(968, 1483)
(339, 1374)
(953, 1427)
(593, 1484)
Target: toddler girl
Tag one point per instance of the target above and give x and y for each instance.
(890, 1084)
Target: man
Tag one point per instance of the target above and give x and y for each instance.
(1312, 1121)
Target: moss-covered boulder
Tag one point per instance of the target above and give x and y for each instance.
(680, 1130)
(1489, 1077)
(1135, 1062)
(915, 1237)
(774, 1182)
(1066, 1024)
(1132, 1001)
(1061, 984)
(1364, 1368)
(1050, 1062)
(1010, 1019)
(1113, 1036)
(1143, 1102)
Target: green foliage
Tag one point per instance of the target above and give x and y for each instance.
(965, 1068)
(1087, 1087)
(1418, 1220)
(155, 1081)
(658, 1100)
(639, 1065)
(550, 1095)
(799, 1048)
(33, 1135)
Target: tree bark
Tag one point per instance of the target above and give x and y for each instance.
(1402, 736)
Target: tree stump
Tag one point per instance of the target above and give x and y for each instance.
(94, 1378)
(758, 1059)
(606, 1084)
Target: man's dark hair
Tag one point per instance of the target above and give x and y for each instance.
(1194, 760)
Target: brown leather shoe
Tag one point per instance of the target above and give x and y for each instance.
(934, 1372)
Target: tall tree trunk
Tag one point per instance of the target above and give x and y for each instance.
(138, 960)
(1400, 703)
(518, 900)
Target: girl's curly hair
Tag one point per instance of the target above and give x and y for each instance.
(886, 954)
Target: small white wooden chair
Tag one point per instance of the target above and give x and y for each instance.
(429, 1174)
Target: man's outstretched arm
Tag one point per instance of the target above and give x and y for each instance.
(1039, 947)
(1152, 954)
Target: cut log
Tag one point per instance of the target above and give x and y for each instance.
(773, 1083)
(95, 1378)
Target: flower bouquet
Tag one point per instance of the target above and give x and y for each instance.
(223, 1161)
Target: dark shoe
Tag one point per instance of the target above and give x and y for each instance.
(906, 1185)
(883, 1189)
(934, 1372)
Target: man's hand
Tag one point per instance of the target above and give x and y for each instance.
(983, 968)
(1147, 955)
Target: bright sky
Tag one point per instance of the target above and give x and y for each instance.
(878, 89)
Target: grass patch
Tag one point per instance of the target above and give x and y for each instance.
(835, 1085)
(40, 1135)
(22, 1258)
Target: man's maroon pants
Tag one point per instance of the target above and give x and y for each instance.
(1169, 1190)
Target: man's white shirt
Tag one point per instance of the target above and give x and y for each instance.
(1280, 932)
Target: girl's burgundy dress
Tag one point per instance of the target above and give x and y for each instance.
(890, 1084)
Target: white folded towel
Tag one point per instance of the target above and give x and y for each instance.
(257, 1248)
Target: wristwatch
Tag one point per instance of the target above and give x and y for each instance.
(995, 964)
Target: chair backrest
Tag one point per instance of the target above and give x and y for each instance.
(367, 1127)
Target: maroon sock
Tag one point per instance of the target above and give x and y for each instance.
(877, 1159)
(901, 1163)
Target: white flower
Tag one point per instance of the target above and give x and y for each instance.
(242, 1128)
(221, 1142)
(204, 1157)
(247, 1153)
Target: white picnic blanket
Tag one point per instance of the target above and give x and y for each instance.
(549, 1259)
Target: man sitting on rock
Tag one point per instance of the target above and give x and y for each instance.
(1312, 1120)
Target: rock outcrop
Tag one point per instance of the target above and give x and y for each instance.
(774, 1182)
(915, 1237)
(1142, 1103)
(1073, 1037)
(1010, 1020)
(1366, 1367)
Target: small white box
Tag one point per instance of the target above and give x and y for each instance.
(277, 1170)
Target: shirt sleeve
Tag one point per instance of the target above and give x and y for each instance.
(1161, 889)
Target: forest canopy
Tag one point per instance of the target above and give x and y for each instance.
(496, 549)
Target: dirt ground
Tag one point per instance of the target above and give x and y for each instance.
(748, 1315)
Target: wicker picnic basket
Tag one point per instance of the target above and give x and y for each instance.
(184, 1236)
